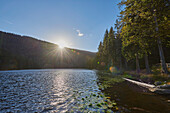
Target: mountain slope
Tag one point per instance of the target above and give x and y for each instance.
(23, 52)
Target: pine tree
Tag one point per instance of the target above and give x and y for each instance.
(111, 46)
(105, 48)
(140, 21)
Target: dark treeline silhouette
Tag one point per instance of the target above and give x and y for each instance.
(23, 52)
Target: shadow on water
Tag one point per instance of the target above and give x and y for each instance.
(132, 98)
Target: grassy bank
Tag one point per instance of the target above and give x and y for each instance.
(156, 77)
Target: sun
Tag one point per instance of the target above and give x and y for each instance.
(62, 44)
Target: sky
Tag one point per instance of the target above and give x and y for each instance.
(79, 24)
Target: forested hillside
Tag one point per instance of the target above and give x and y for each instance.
(23, 52)
(141, 37)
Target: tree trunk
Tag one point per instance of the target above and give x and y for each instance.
(126, 65)
(162, 58)
(108, 63)
(137, 64)
(147, 64)
(120, 62)
(161, 53)
(112, 61)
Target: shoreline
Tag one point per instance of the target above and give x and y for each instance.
(161, 89)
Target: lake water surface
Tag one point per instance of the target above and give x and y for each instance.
(67, 90)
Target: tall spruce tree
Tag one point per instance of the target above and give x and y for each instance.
(111, 46)
(142, 17)
(105, 48)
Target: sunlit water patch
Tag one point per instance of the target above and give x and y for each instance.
(74, 90)
(53, 90)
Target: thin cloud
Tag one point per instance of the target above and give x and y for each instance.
(5, 20)
(8, 22)
(79, 33)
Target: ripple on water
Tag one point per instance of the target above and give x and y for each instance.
(45, 90)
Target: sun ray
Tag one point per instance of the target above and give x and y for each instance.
(62, 44)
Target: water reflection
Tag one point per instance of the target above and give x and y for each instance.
(66, 90)
(45, 90)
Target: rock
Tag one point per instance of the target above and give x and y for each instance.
(158, 83)
(160, 91)
(165, 86)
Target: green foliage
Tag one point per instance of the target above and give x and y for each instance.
(140, 20)
(99, 102)
(136, 36)
(109, 51)
(128, 76)
(109, 80)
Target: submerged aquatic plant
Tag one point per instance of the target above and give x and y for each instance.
(107, 81)
(96, 103)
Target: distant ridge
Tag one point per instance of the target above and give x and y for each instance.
(24, 52)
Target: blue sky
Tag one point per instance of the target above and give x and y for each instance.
(79, 23)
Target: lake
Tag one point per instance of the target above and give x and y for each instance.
(68, 90)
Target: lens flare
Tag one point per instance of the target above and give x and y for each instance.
(102, 63)
(62, 44)
(112, 69)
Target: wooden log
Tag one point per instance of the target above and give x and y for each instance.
(163, 89)
(140, 83)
